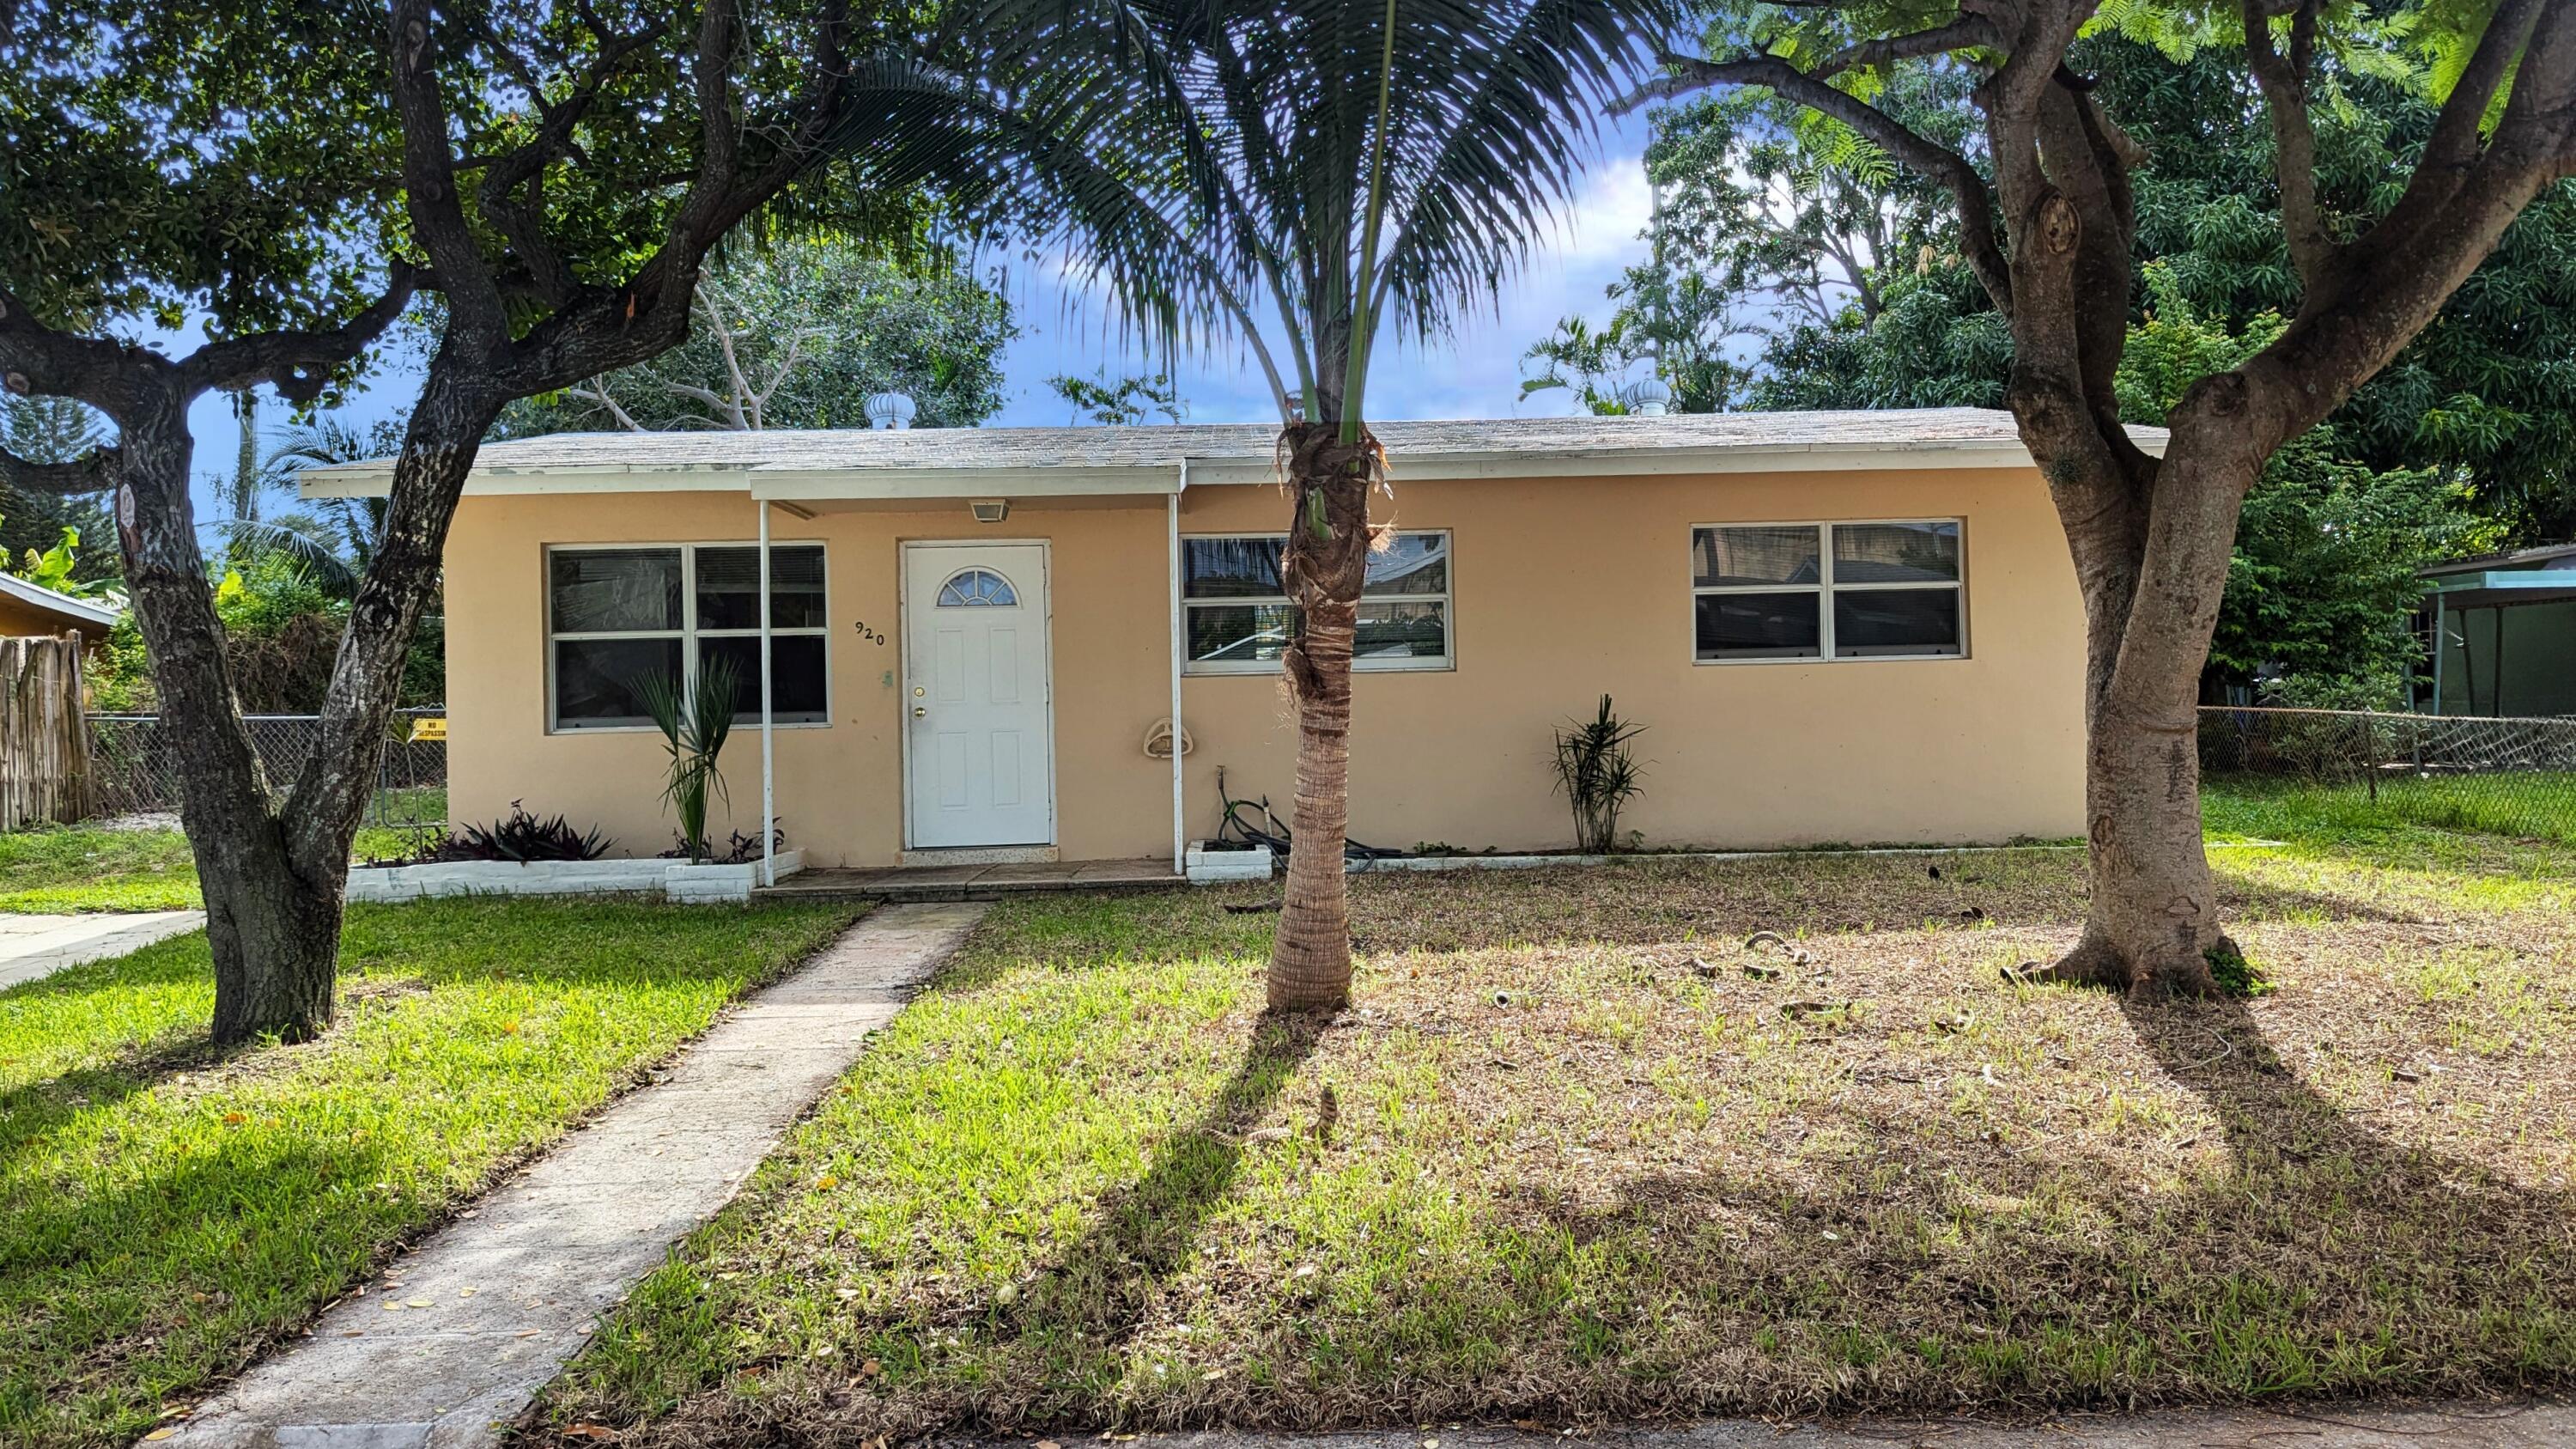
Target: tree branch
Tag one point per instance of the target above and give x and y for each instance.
(513, 184)
(717, 323)
(2284, 81)
(2453, 149)
(474, 301)
(38, 360)
(2096, 173)
(1928, 157)
(1968, 32)
(89, 473)
(299, 364)
(597, 392)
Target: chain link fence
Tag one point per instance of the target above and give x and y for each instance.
(2509, 776)
(137, 768)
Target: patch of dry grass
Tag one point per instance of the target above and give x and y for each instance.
(1569, 1160)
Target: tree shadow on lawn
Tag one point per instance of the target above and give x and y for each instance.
(1102, 1287)
(2308, 1256)
(112, 1295)
(388, 953)
(1680, 902)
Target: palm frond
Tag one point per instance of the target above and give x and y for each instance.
(1213, 157)
(1111, 164)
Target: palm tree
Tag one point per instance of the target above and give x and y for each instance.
(335, 542)
(1332, 162)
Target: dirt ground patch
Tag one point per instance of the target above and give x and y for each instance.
(1569, 1159)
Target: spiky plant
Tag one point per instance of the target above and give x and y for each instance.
(1287, 175)
(695, 717)
(1598, 775)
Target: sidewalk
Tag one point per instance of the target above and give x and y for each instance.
(458, 1336)
(34, 947)
(2328, 1426)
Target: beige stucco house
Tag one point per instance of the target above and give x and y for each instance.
(1835, 627)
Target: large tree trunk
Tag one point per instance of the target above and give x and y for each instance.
(274, 933)
(274, 871)
(1329, 481)
(2151, 538)
(2152, 925)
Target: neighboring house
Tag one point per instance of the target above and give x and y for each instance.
(1835, 627)
(2505, 626)
(27, 608)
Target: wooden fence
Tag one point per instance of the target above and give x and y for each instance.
(45, 772)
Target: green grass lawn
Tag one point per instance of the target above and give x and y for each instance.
(166, 1213)
(86, 868)
(2538, 804)
(1569, 1161)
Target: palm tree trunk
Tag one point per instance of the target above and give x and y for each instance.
(1324, 567)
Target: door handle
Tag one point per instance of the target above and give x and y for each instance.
(920, 712)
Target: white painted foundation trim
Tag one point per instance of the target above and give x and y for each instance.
(1437, 863)
(675, 880)
(1204, 866)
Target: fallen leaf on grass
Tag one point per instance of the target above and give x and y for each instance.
(595, 1433)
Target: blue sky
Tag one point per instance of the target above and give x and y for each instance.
(1474, 373)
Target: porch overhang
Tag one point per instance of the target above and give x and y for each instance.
(2501, 586)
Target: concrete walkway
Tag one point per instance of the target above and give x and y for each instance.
(2443, 1426)
(34, 947)
(460, 1334)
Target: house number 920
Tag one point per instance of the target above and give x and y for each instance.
(871, 635)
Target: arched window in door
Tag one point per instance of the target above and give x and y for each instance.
(977, 589)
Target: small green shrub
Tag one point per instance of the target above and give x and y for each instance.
(1598, 775)
(2235, 975)
(522, 837)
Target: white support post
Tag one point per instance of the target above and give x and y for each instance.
(1180, 651)
(768, 754)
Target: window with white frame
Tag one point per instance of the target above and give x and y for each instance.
(1239, 619)
(1888, 590)
(616, 615)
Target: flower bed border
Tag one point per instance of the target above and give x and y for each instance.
(672, 879)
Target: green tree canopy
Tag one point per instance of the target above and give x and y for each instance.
(796, 333)
(2488, 390)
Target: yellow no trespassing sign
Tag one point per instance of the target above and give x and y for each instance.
(429, 729)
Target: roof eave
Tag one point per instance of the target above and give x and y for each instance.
(77, 610)
(1161, 477)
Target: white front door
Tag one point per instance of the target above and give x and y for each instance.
(981, 731)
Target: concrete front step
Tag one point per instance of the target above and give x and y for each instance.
(973, 882)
